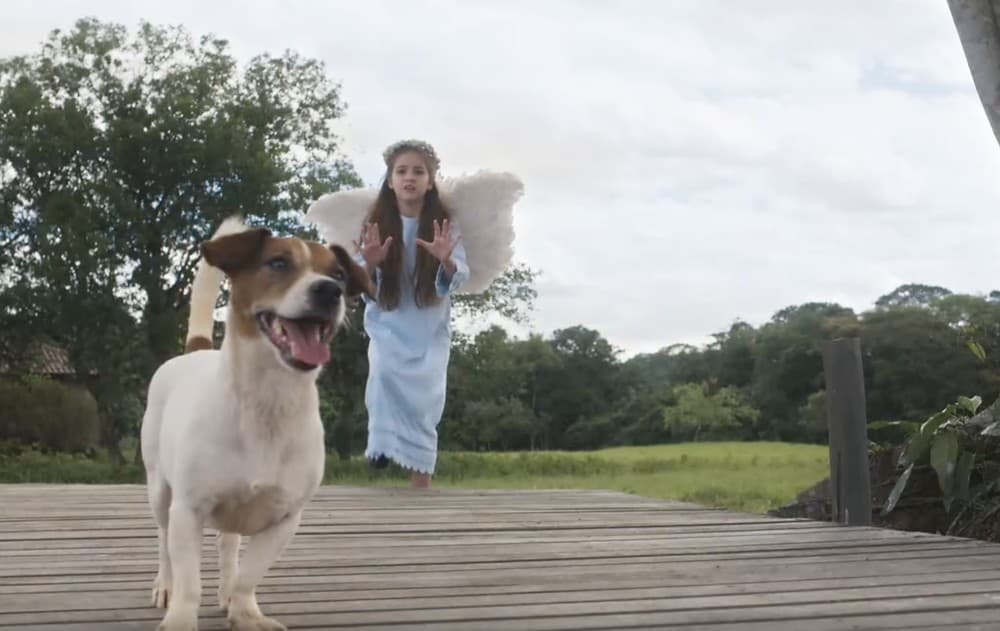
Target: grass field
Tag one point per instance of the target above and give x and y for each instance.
(740, 476)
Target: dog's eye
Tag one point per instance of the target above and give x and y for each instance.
(279, 263)
(338, 274)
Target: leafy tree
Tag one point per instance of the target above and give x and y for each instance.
(788, 364)
(502, 424)
(697, 414)
(914, 361)
(342, 383)
(150, 140)
(585, 384)
(736, 355)
(119, 153)
(511, 295)
(912, 295)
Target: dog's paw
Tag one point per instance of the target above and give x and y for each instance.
(247, 622)
(224, 593)
(178, 623)
(161, 593)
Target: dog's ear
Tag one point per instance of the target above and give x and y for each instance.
(234, 252)
(358, 280)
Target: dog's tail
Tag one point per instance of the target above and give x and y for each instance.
(205, 293)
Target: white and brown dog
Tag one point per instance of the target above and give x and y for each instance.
(232, 438)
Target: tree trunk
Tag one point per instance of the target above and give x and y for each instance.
(978, 26)
(111, 437)
(162, 330)
(343, 430)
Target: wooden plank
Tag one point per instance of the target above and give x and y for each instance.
(528, 547)
(84, 557)
(470, 595)
(676, 613)
(919, 569)
(691, 561)
(457, 545)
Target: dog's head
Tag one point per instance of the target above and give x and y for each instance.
(287, 292)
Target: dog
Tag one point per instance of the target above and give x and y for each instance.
(232, 438)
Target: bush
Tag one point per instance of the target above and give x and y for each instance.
(47, 413)
(32, 466)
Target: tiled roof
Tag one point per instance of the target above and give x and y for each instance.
(44, 359)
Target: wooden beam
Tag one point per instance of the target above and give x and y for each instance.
(850, 484)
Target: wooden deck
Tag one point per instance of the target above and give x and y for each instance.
(83, 557)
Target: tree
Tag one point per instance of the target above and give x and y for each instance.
(155, 139)
(697, 414)
(912, 295)
(535, 358)
(736, 352)
(788, 364)
(584, 384)
(342, 382)
(976, 24)
(119, 153)
(915, 363)
(511, 295)
(501, 424)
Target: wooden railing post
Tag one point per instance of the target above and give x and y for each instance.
(850, 484)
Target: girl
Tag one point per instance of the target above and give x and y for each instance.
(412, 249)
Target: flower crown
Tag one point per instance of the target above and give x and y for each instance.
(412, 145)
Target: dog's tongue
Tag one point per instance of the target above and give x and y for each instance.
(304, 339)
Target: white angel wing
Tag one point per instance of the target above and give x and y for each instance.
(482, 204)
(339, 216)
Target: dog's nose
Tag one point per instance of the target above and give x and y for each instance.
(324, 294)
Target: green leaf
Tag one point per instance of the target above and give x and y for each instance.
(977, 349)
(937, 419)
(970, 404)
(993, 429)
(908, 426)
(952, 422)
(963, 474)
(944, 459)
(916, 449)
(897, 491)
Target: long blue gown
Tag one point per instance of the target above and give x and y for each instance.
(408, 354)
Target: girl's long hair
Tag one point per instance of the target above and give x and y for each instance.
(385, 213)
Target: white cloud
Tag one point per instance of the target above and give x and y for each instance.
(686, 164)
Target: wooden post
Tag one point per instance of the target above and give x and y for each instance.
(850, 484)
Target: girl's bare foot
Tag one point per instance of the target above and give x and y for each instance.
(420, 480)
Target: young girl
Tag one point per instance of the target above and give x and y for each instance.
(413, 251)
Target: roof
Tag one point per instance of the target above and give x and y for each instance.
(43, 359)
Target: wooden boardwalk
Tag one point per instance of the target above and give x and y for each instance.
(83, 557)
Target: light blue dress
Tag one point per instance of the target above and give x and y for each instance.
(408, 354)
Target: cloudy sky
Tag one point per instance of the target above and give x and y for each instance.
(686, 164)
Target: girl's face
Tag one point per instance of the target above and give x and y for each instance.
(410, 179)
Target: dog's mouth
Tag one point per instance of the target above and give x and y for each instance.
(303, 342)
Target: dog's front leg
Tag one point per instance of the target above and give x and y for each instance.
(261, 552)
(228, 545)
(184, 546)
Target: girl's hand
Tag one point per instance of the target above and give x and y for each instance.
(373, 249)
(443, 245)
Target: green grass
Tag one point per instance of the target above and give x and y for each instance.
(750, 477)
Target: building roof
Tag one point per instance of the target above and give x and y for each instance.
(44, 358)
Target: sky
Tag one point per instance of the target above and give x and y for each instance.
(686, 164)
